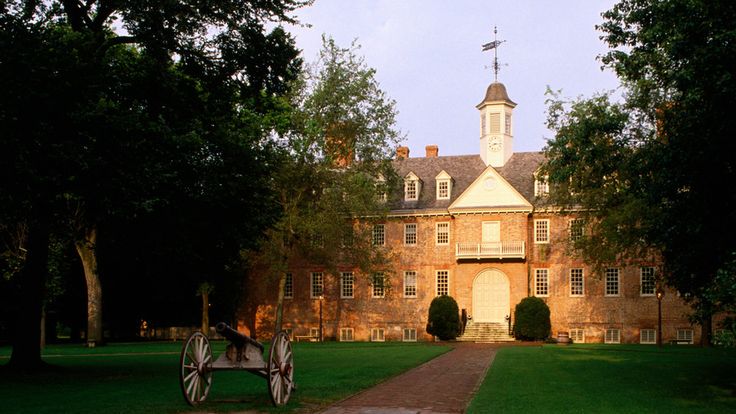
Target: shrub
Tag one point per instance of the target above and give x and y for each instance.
(532, 319)
(444, 321)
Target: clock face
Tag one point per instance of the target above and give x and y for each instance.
(494, 144)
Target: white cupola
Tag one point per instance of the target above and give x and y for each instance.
(496, 126)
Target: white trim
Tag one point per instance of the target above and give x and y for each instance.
(437, 233)
(347, 335)
(612, 336)
(343, 277)
(571, 226)
(537, 229)
(577, 335)
(312, 293)
(537, 273)
(376, 234)
(641, 281)
(412, 335)
(377, 291)
(378, 335)
(527, 206)
(685, 335)
(618, 282)
(415, 286)
(406, 233)
(582, 282)
(437, 282)
(647, 336)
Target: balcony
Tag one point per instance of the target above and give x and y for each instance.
(493, 250)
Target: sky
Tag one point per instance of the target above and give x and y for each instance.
(427, 55)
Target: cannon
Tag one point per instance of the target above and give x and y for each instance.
(242, 353)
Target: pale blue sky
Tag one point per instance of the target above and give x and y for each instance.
(428, 58)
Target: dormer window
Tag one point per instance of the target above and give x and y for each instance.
(541, 185)
(412, 187)
(381, 188)
(444, 186)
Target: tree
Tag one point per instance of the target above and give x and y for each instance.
(99, 125)
(532, 319)
(444, 319)
(648, 172)
(334, 165)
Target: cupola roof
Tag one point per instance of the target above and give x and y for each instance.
(496, 92)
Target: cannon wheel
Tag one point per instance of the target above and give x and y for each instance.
(280, 369)
(195, 375)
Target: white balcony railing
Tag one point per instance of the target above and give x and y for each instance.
(493, 250)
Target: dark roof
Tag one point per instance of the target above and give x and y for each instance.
(464, 169)
(496, 92)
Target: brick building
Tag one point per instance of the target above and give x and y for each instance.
(478, 228)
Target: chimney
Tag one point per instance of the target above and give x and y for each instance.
(402, 153)
(432, 151)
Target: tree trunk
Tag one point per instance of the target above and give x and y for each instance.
(87, 253)
(705, 332)
(205, 312)
(280, 303)
(26, 335)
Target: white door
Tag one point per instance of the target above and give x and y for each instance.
(491, 296)
(491, 231)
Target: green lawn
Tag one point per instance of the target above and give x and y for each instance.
(609, 379)
(143, 378)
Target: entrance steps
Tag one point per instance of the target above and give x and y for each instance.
(486, 332)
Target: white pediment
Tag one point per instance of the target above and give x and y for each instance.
(443, 175)
(488, 192)
(411, 177)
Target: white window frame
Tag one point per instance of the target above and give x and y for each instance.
(314, 332)
(378, 290)
(541, 186)
(577, 335)
(507, 124)
(316, 285)
(442, 288)
(379, 235)
(442, 236)
(685, 335)
(609, 273)
(647, 336)
(410, 237)
(541, 282)
(652, 284)
(347, 285)
(378, 335)
(612, 336)
(574, 283)
(409, 335)
(347, 335)
(410, 289)
(289, 286)
(411, 190)
(444, 189)
(541, 231)
(575, 226)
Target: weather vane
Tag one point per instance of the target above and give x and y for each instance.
(494, 45)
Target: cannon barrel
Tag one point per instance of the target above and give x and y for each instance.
(236, 337)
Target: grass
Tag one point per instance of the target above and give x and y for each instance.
(143, 378)
(609, 379)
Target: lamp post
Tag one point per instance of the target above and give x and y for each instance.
(660, 296)
(320, 317)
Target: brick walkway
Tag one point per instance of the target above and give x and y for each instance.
(443, 385)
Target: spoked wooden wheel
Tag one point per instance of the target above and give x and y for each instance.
(195, 375)
(280, 369)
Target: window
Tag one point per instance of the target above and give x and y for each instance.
(612, 281)
(378, 287)
(411, 187)
(317, 284)
(410, 284)
(410, 335)
(347, 281)
(541, 186)
(613, 336)
(647, 336)
(495, 119)
(443, 282)
(541, 282)
(482, 123)
(443, 189)
(577, 227)
(648, 283)
(442, 231)
(685, 335)
(379, 235)
(289, 287)
(346, 335)
(508, 124)
(410, 234)
(541, 231)
(314, 332)
(577, 335)
(577, 285)
(377, 335)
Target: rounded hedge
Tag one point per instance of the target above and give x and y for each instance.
(444, 320)
(531, 319)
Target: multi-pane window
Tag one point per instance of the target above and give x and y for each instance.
(613, 281)
(410, 284)
(577, 227)
(541, 186)
(541, 282)
(316, 285)
(410, 190)
(314, 332)
(508, 124)
(410, 335)
(347, 281)
(410, 233)
(613, 336)
(648, 282)
(379, 234)
(647, 336)
(577, 285)
(577, 335)
(377, 335)
(541, 231)
(685, 335)
(378, 287)
(289, 286)
(443, 189)
(443, 282)
(346, 335)
(442, 230)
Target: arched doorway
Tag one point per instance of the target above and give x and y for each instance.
(491, 293)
